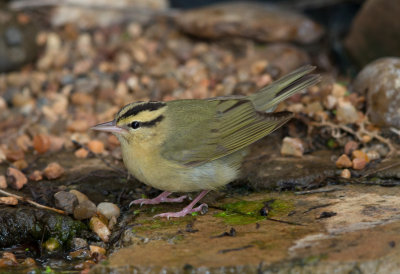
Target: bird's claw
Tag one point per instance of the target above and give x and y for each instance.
(202, 209)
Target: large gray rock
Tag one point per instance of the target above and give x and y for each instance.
(252, 20)
(375, 31)
(380, 83)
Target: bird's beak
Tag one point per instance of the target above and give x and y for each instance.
(108, 127)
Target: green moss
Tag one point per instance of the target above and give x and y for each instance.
(247, 212)
(151, 224)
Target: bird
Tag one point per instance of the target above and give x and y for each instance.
(193, 145)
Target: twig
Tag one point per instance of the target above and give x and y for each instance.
(23, 199)
(320, 190)
(316, 207)
(358, 134)
(223, 251)
(284, 222)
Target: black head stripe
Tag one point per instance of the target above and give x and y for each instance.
(150, 106)
(152, 122)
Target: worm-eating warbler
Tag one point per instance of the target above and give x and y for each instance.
(198, 144)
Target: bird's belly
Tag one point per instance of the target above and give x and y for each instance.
(170, 176)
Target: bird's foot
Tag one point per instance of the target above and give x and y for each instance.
(203, 208)
(157, 200)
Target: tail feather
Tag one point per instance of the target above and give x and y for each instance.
(267, 98)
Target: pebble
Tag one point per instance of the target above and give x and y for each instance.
(108, 209)
(66, 201)
(100, 228)
(56, 143)
(360, 154)
(24, 142)
(96, 146)
(2, 155)
(6, 263)
(41, 143)
(15, 155)
(344, 162)
(112, 222)
(8, 200)
(80, 254)
(379, 83)
(78, 243)
(36, 175)
(350, 146)
(81, 197)
(20, 164)
(345, 174)
(29, 262)
(53, 171)
(359, 163)
(346, 113)
(3, 182)
(292, 147)
(15, 178)
(78, 126)
(10, 256)
(81, 153)
(373, 155)
(85, 210)
(338, 91)
(97, 249)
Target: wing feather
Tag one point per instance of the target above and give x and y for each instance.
(231, 125)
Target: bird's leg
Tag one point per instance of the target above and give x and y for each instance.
(187, 210)
(162, 198)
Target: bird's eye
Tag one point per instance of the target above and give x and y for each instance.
(135, 124)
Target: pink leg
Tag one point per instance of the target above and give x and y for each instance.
(187, 210)
(162, 198)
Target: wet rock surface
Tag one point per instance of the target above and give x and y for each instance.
(252, 20)
(316, 232)
(380, 82)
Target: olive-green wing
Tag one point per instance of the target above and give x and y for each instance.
(223, 127)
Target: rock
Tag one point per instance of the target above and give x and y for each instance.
(53, 171)
(24, 142)
(258, 21)
(292, 147)
(15, 155)
(66, 201)
(346, 113)
(108, 209)
(96, 146)
(17, 42)
(29, 262)
(97, 249)
(8, 201)
(345, 173)
(36, 175)
(10, 256)
(20, 164)
(100, 228)
(350, 146)
(80, 254)
(379, 82)
(360, 154)
(344, 162)
(359, 163)
(105, 13)
(78, 243)
(85, 210)
(81, 197)
(284, 57)
(41, 143)
(373, 155)
(3, 182)
(370, 39)
(81, 153)
(15, 178)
